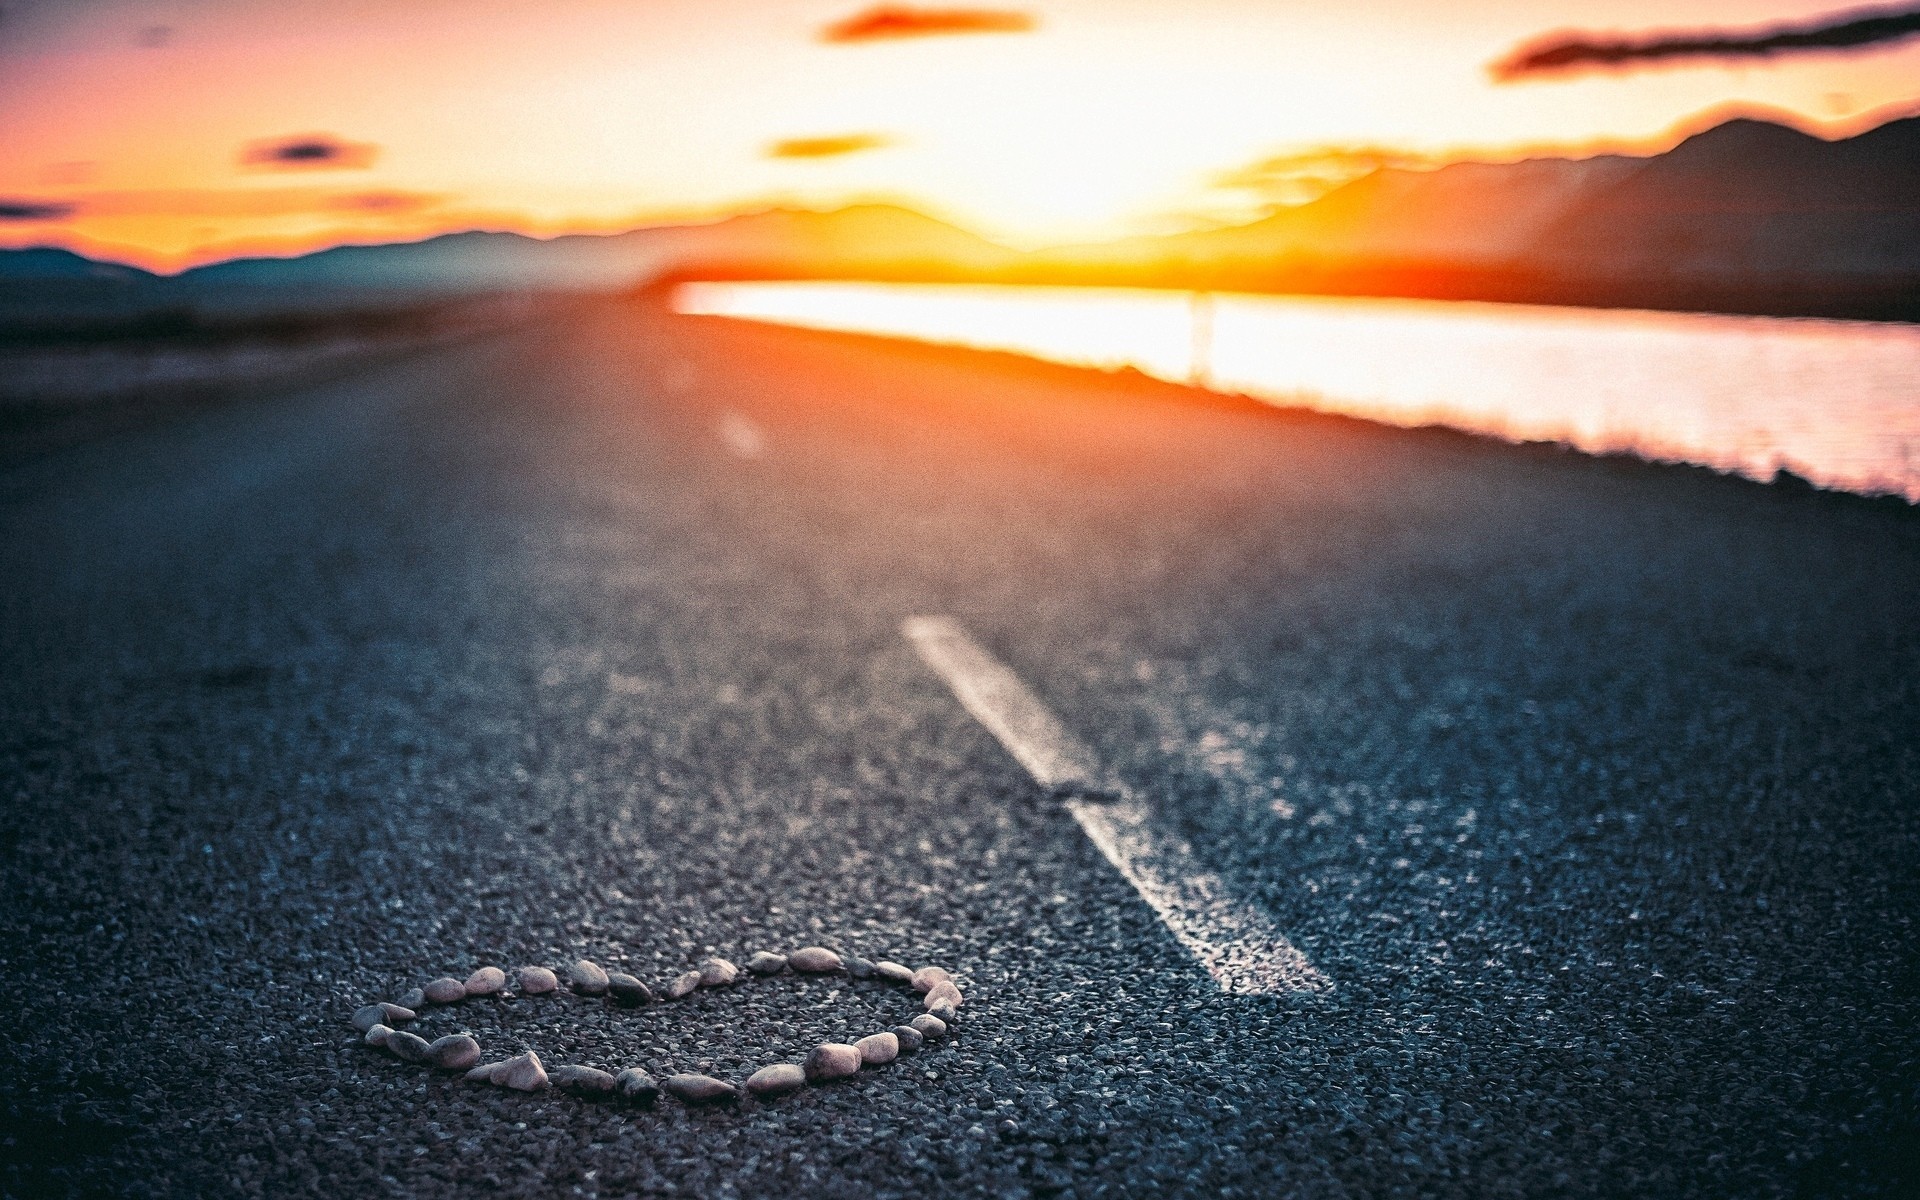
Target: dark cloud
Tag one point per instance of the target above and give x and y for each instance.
(154, 37)
(35, 210)
(309, 152)
(1571, 52)
(888, 21)
(828, 147)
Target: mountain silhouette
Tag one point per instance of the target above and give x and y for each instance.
(1750, 215)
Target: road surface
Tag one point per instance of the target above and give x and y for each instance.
(1582, 794)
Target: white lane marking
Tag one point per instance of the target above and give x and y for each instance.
(742, 436)
(997, 699)
(1237, 943)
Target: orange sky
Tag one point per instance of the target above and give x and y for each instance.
(143, 121)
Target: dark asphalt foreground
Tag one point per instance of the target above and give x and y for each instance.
(1590, 785)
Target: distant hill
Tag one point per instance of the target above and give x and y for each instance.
(1748, 216)
(48, 263)
(860, 240)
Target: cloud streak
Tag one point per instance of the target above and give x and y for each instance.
(1573, 52)
(888, 22)
(828, 147)
(309, 152)
(35, 210)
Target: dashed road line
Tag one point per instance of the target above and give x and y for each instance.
(1237, 943)
(742, 436)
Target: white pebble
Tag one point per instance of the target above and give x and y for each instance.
(876, 1048)
(777, 1079)
(486, 981)
(536, 981)
(814, 960)
(523, 1073)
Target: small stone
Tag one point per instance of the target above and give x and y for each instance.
(777, 1079)
(832, 1060)
(942, 1010)
(590, 1083)
(586, 978)
(406, 1047)
(536, 981)
(484, 1072)
(414, 998)
(931, 1028)
(628, 991)
(445, 991)
(377, 1036)
(893, 972)
(684, 986)
(522, 1073)
(397, 1014)
(767, 963)
(877, 1048)
(909, 1037)
(636, 1087)
(486, 981)
(700, 1089)
(814, 960)
(859, 968)
(366, 1018)
(455, 1052)
(718, 972)
(924, 979)
(944, 990)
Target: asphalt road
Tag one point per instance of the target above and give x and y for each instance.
(1589, 787)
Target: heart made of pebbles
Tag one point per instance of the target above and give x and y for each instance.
(525, 1072)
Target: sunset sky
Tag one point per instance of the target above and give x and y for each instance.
(166, 132)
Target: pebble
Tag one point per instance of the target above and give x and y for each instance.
(486, 981)
(814, 960)
(777, 1079)
(366, 1018)
(931, 1028)
(718, 972)
(700, 1089)
(536, 981)
(406, 1047)
(455, 1052)
(765, 962)
(943, 1011)
(586, 978)
(587, 1082)
(414, 998)
(484, 1072)
(877, 1048)
(944, 990)
(893, 972)
(377, 1036)
(909, 1037)
(381, 1014)
(627, 990)
(859, 968)
(924, 979)
(445, 991)
(832, 1060)
(636, 1087)
(522, 1073)
(685, 985)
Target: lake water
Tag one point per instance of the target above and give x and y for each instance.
(1835, 401)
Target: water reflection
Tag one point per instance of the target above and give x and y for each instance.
(1835, 401)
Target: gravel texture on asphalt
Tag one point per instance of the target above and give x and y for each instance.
(1589, 785)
